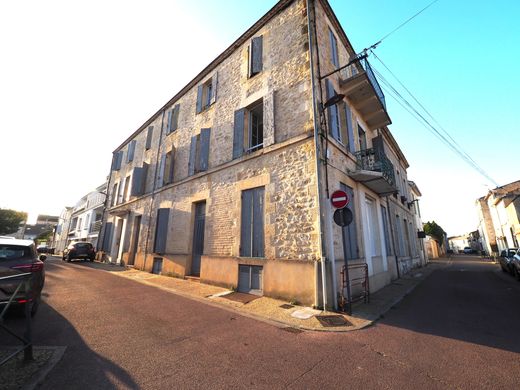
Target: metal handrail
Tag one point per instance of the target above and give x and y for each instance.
(353, 70)
(374, 159)
(26, 339)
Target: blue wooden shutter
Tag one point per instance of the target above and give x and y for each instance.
(258, 222)
(350, 232)
(137, 182)
(193, 156)
(246, 224)
(200, 91)
(214, 83)
(350, 129)
(149, 137)
(175, 119)
(107, 238)
(161, 230)
(169, 122)
(204, 149)
(334, 49)
(160, 172)
(238, 133)
(146, 167)
(256, 55)
(172, 163)
(332, 111)
(118, 157)
(131, 151)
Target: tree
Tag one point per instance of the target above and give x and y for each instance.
(10, 220)
(44, 237)
(434, 231)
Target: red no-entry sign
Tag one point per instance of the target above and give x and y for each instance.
(339, 199)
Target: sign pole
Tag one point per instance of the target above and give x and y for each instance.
(330, 242)
(347, 277)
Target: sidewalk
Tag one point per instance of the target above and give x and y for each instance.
(278, 312)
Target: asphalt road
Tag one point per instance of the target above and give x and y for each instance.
(458, 329)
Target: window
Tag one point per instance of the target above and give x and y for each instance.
(252, 223)
(255, 56)
(407, 237)
(339, 119)
(115, 190)
(413, 245)
(248, 130)
(199, 152)
(362, 138)
(207, 94)
(80, 221)
(167, 167)
(73, 224)
(161, 230)
(124, 196)
(87, 220)
(350, 244)
(173, 119)
(372, 227)
(149, 136)
(131, 151)
(350, 130)
(386, 231)
(333, 49)
(333, 113)
(139, 175)
(399, 236)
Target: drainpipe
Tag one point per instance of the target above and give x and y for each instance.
(321, 200)
(153, 191)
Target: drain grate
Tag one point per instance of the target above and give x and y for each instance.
(292, 330)
(334, 320)
(286, 306)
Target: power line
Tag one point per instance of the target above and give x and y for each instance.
(419, 117)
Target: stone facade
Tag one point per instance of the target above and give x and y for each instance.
(288, 166)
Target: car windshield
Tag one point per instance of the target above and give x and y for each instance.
(83, 245)
(14, 252)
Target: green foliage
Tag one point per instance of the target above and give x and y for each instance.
(434, 231)
(10, 220)
(44, 237)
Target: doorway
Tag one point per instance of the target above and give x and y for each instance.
(198, 237)
(135, 239)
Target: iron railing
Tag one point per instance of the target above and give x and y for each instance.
(95, 227)
(375, 160)
(26, 339)
(353, 70)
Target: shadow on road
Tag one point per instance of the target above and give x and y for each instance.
(80, 366)
(470, 300)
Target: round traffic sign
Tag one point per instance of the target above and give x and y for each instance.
(339, 199)
(343, 217)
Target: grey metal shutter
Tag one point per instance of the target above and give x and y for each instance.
(137, 182)
(246, 243)
(350, 129)
(332, 111)
(258, 222)
(238, 133)
(161, 230)
(149, 137)
(131, 151)
(334, 48)
(193, 152)
(214, 83)
(350, 231)
(146, 168)
(200, 90)
(160, 174)
(244, 278)
(169, 122)
(107, 238)
(204, 149)
(256, 55)
(175, 119)
(118, 156)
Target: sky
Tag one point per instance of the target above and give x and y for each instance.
(77, 78)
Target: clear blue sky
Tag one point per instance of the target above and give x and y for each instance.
(78, 78)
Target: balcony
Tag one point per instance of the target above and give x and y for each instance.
(375, 170)
(95, 227)
(359, 84)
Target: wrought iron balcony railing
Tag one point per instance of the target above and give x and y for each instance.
(375, 160)
(95, 227)
(352, 71)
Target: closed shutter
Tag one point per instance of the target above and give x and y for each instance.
(238, 133)
(256, 277)
(137, 181)
(169, 122)
(258, 222)
(107, 238)
(244, 278)
(214, 83)
(175, 119)
(334, 49)
(160, 174)
(161, 230)
(256, 55)
(204, 149)
(171, 167)
(350, 129)
(246, 244)
(332, 111)
(118, 157)
(149, 138)
(193, 153)
(350, 232)
(131, 151)
(146, 168)
(200, 90)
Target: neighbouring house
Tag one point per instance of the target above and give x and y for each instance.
(230, 180)
(83, 221)
(44, 224)
(499, 216)
(415, 194)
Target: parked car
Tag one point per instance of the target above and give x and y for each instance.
(515, 265)
(42, 249)
(505, 259)
(468, 250)
(20, 257)
(79, 250)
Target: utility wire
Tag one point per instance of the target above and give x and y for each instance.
(401, 25)
(419, 117)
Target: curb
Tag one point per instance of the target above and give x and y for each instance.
(40, 375)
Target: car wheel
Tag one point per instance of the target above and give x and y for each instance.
(69, 259)
(34, 307)
(503, 269)
(91, 259)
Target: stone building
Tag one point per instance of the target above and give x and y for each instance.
(230, 180)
